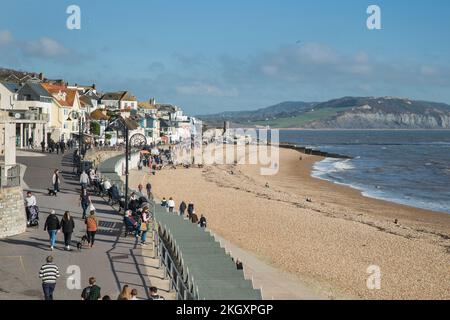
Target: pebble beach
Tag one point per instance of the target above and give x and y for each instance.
(330, 242)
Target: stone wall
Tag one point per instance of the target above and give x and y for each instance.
(12, 212)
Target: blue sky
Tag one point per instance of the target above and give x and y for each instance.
(209, 56)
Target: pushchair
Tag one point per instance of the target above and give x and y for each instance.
(33, 216)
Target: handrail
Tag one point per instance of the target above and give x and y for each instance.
(170, 270)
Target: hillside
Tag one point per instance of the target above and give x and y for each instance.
(345, 113)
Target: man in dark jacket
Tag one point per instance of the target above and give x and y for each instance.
(182, 208)
(52, 226)
(190, 209)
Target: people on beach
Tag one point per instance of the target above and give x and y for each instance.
(140, 187)
(56, 181)
(125, 294)
(48, 273)
(171, 204)
(163, 202)
(182, 208)
(52, 225)
(84, 180)
(193, 217)
(30, 205)
(91, 228)
(85, 201)
(154, 294)
(202, 222)
(148, 187)
(91, 292)
(190, 209)
(67, 227)
(239, 265)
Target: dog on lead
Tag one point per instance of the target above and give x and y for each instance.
(51, 192)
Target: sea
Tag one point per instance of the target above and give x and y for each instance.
(410, 167)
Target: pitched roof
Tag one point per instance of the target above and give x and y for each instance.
(64, 96)
(113, 95)
(11, 86)
(146, 105)
(98, 115)
(119, 96)
(38, 89)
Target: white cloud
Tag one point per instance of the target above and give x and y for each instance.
(45, 47)
(5, 37)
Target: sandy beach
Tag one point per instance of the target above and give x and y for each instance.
(328, 243)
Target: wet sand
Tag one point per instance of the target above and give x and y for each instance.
(328, 243)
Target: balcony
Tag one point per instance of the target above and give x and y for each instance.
(28, 115)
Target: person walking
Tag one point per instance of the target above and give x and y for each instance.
(140, 187)
(84, 180)
(67, 227)
(57, 147)
(182, 208)
(85, 201)
(193, 217)
(91, 292)
(52, 225)
(56, 181)
(30, 204)
(202, 222)
(144, 225)
(30, 143)
(148, 187)
(62, 146)
(171, 204)
(91, 226)
(43, 146)
(49, 272)
(190, 209)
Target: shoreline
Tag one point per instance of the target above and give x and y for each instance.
(328, 243)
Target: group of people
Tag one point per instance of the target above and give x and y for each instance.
(57, 146)
(49, 274)
(183, 208)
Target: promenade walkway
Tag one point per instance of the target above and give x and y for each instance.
(114, 260)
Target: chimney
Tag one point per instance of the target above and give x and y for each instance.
(93, 86)
(41, 76)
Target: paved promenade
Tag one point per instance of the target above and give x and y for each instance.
(114, 260)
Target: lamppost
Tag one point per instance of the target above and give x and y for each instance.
(117, 122)
(77, 115)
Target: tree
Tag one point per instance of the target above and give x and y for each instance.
(95, 128)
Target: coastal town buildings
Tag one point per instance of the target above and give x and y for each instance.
(51, 109)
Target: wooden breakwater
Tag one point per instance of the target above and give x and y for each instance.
(312, 152)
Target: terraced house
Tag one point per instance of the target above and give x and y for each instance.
(30, 105)
(63, 125)
(120, 100)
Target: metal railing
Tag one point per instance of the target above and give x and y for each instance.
(9, 177)
(170, 268)
(29, 115)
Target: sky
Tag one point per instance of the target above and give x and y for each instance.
(211, 56)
